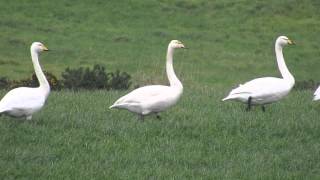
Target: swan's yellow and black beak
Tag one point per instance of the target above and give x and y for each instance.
(291, 42)
(182, 46)
(45, 48)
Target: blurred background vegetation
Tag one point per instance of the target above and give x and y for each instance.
(229, 41)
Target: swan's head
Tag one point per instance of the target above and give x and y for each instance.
(176, 44)
(38, 47)
(284, 40)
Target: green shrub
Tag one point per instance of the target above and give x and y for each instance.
(306, 85)
(75, 79)
(4, 83)
(85, 78)
(119, 80)
(96, 78)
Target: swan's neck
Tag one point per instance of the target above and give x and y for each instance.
(44, 85)
(282, 65)
(173, 79)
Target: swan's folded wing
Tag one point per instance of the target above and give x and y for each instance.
(21, 98)
(240, 90)
(142, 94)
(260, 86)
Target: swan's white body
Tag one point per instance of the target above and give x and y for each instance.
(267, 89)
(262, 91)
(154, 98)
(317, 94)
(24, 101)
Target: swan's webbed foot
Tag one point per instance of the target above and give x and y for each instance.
(263, 108)
(249, 104)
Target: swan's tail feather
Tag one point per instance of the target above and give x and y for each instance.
(317, 94)
(113, 106)
(234, 93)
(119, 102)
(316, 98)
(224, 99)
(133, 107)
(227, 98)
(2, 109)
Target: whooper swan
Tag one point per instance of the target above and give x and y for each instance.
(154, 98)
(24, 101)
(266, 90)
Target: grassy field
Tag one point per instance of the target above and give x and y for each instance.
(76, 136)
(82, 139)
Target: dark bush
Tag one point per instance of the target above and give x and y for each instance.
(75, 79)
(4, 83)
(86, 78)
(72, 78)
(96, 78)
(119, 80)
(306, 84)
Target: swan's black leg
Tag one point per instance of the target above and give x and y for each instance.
(263, 108)
(158, 116)
(141, 117)
(249, 104)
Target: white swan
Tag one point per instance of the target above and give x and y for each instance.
(24, 101)
(266, 90)
(316, 94)
(154, 98)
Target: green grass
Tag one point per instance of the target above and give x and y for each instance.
(76, 136)
(199, 138)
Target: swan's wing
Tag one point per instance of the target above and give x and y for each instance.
(22, 98)
(260, 87)
(142, 94)
(263, 86)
